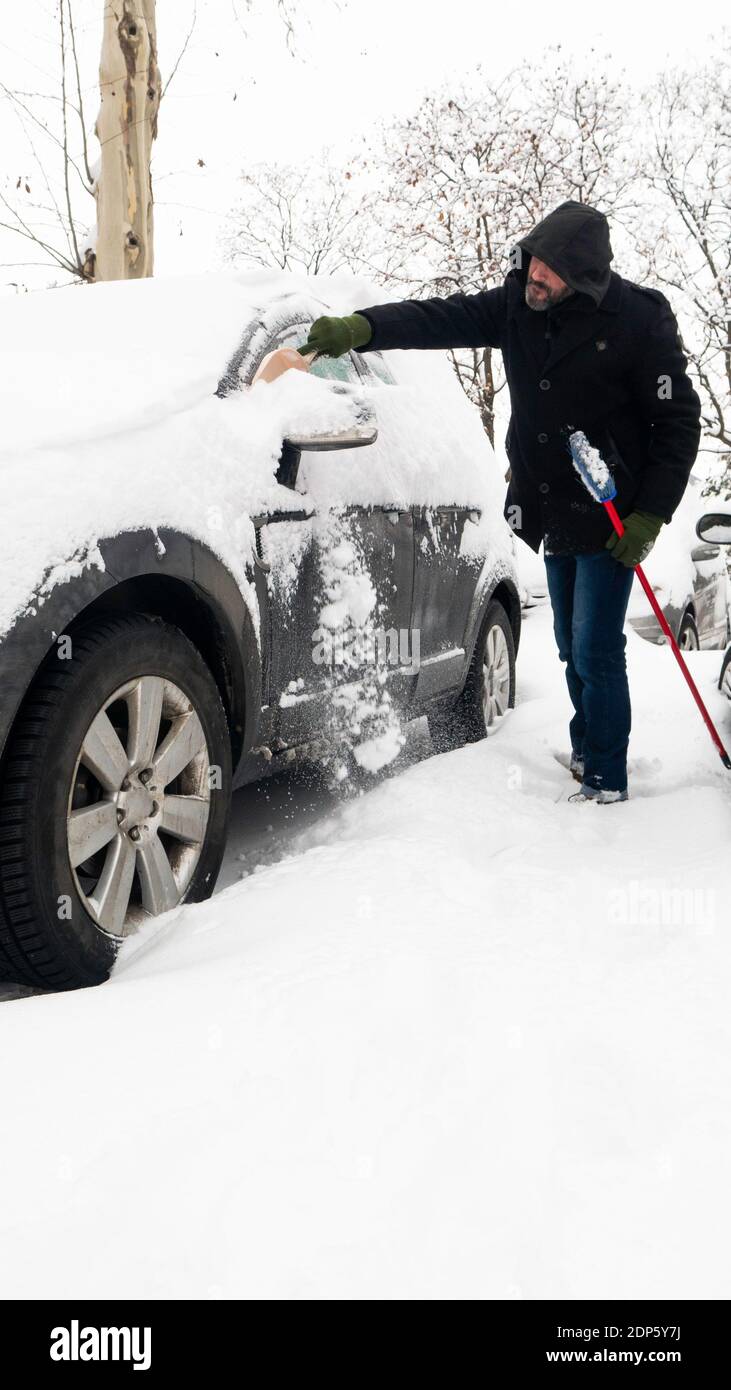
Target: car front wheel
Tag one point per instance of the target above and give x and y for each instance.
(114, 799)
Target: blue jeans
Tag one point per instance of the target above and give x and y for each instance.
(589, 596)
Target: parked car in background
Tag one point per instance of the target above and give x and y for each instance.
(532, 577)
(171, 541)
(714, 529)
(690, 578)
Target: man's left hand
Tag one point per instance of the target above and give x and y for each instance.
(641, 530)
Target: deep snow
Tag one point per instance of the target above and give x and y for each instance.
(459, 1039)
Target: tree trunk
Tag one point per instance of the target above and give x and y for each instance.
(126, 126)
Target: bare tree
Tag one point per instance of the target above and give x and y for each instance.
(48, 218)
(446, 200)
(684, 235)
(305, 217)
(50, 209)
(55, 221)
(129, 84)
(478, 165)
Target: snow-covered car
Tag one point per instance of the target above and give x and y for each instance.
(690, 579)
(714, 529)
(200, 576)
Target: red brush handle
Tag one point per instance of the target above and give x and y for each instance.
(616, 521)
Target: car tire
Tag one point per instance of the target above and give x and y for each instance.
(489, 691)
(62, 918)
(688, 639)
(724, 680)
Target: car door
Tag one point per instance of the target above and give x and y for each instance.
(295, 687)
(446, 568)
(444, 587)
(380, 529)
(294, 544)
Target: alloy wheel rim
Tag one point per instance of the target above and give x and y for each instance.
(138, 804)
(495, 676)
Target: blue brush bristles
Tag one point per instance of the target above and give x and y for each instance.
(591, 467)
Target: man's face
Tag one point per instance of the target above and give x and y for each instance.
(544, 287)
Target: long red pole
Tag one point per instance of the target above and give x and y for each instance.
(616, 521)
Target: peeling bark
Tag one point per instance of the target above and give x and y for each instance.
(129, 80)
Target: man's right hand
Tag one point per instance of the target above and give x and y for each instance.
(331, 337)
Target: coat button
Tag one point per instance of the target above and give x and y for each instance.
(545, 385)
(543, 487)
(543, 439)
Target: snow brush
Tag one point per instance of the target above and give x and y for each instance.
(597, 479)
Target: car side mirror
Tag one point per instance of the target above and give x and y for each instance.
(359, 427)
(714, 528)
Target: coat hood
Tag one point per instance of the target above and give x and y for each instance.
(574, 241)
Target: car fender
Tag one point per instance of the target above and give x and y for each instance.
(498, 580)
(151, 571)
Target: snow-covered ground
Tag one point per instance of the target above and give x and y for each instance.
(454, 1038)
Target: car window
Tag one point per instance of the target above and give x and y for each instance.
(331, 368)
(374, 365)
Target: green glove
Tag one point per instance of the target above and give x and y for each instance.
(331, 337)
(641, 530)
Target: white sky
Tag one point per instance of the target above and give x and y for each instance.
(356, 62)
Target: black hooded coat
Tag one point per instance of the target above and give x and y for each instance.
(607, 360)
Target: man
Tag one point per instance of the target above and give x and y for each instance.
(583, 349)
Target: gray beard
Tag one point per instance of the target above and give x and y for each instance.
(548, 300)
